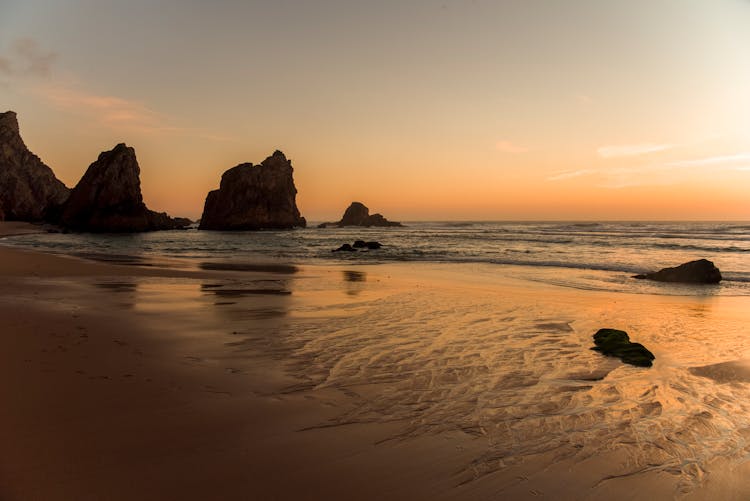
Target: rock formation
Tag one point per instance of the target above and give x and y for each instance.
(108, 198)
(357, 214)
(254, 197)
(701, 271)
(29, 190)
(616, 343)
(359, 244)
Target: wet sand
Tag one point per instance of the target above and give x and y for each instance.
(445, 382)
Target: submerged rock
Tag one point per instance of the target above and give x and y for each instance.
(108, 198)
(346, 248)
(357, 214)
(29, 190)
(701, 271)
(616, 343)
(254, 197)
(361, 244)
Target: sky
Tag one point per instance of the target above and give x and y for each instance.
(422, 110)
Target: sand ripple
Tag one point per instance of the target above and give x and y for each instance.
(519, 375)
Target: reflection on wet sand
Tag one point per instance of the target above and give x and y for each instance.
(117, 286)
(509, 370)
(354, 281)
(256, 267)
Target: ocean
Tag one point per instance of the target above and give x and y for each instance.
(584, 255)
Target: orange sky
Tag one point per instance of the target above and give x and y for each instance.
(424, 110)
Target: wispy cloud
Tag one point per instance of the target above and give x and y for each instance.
(107, 110)
(571, 174)
(506, 146)
(26, 58)
(629, 150)
(715, 160)
(117, 113)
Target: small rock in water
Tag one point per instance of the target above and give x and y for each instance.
(701, 271)
(616, 343)
(345, 247)
(359, 244)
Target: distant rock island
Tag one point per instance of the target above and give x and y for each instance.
(254, 197)
(29, 190)
(357, 214)
(108, 198)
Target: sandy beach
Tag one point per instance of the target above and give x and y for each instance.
(344, 382)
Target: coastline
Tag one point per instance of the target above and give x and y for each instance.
(127, 381)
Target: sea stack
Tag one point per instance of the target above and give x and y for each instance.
(29, 190)
(108, 198)
(357, 214)
(254, 197)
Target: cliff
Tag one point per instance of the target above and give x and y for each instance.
(29, 190)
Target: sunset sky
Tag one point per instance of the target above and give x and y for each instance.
(475, 109)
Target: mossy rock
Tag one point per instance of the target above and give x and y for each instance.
(616, 343)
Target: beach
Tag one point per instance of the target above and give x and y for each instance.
(339, 381)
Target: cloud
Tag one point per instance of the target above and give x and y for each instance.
(27, 58)
(715, 160)
(629, 150)
(509, 147)
(567, 175)
(118, 113)
(107, 110)
(33, 59)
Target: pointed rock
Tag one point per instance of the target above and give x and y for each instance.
(357, 214)
(29, 190)
(254, 197)
(108, 198)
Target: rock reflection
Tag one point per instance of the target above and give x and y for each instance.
(353, 281)
(258, 267)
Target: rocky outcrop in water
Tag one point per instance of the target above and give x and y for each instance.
(254, 197)
(108, 198)
(616, 343)
(29, 190)
(357, 214)
(359, 244)
(701, 271)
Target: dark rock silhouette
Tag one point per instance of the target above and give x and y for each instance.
(361, 244)
(357, 214)
(29, 190)
(108, 198)
(345, 248)
(254, 197)
(701, 271)
(616, 343)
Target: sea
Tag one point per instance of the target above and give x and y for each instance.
(584, 255)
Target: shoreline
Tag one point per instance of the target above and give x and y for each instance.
(162, 383)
